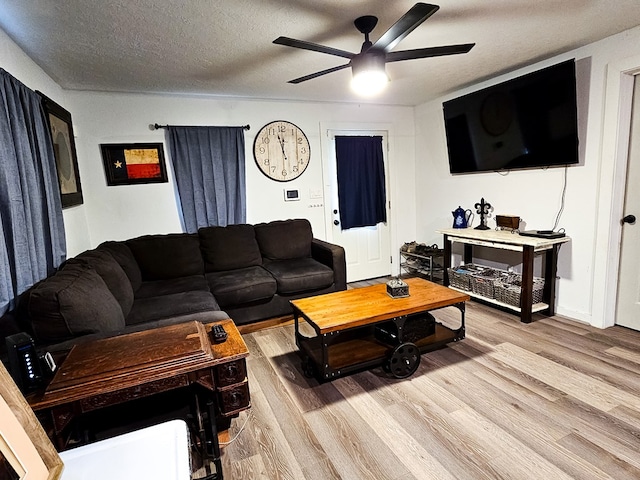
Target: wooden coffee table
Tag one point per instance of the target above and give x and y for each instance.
(120, 369)
(364, 327)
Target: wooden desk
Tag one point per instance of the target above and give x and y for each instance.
(115, 370)
(344, 324)
(505, 240)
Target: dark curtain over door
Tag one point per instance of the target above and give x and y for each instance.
(32, 238)
(361, 181)
(209, 167)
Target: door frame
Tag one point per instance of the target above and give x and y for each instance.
(612, 184)
(359, 128)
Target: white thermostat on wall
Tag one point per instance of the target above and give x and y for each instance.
(291, 195)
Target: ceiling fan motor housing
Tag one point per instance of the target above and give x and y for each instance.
(371, 60)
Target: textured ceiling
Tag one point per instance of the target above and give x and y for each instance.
(222, 47)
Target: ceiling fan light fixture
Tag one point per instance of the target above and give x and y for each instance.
(369, 75)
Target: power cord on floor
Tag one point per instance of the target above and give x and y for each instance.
(239, 431)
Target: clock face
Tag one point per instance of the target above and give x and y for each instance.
(281, 151)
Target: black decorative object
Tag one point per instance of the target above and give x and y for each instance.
(396, 288)
(483, 209)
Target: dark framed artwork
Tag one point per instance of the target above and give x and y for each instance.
(64, 149)
(133, 163)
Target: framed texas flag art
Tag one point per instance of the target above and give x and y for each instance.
(133, 163)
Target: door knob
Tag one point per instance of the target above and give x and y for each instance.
(629, 219)
(336, 222)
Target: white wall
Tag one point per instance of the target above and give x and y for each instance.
(126, 211)
(535, 195)
(18, 64)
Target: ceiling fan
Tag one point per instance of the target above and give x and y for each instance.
(376, 55)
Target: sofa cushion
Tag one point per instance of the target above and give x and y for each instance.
(243, 285)
(284, 239)
(112, 273)
(230, 247)
(300, 275)
(155, 288)
(171, 305)
(167, 256)
(74, 301)
(125, 258)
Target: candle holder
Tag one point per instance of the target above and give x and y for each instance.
(482, 208)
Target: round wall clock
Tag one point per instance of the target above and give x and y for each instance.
(281, 151)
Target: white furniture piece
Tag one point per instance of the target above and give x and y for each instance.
(160, 452)
(506, 240)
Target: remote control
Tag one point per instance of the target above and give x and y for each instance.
(218, 333)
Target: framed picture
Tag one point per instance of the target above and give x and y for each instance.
(26, 453)
(133, 163)
(64, 149)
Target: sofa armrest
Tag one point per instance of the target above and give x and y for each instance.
(333, 257)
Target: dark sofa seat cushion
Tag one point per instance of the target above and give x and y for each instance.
(122, 254)
(230, 247)
(244, 285)
(300, 275)
(74, 301)
(112, 273)
(284, 239)
(167, 256)
(172, 305)
(156, 288)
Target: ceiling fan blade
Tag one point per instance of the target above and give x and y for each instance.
(428, 52)
(319, 74)
(403, 27)
(292, 42)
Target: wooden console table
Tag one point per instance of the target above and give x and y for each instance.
(505, 240)
(120, 369)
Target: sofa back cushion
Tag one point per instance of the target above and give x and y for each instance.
(229, 248)
(284, 239)
(112, 273)
(123, 255)
(74, 301)
(174, 255)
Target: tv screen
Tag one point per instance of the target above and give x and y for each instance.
(527, 122)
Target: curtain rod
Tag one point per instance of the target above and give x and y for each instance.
(156, 126)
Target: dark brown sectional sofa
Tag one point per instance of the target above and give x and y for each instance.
(245, 272)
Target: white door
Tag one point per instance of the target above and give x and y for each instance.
(628, 306)
(367, 249)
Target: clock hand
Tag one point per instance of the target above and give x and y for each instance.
(282, 147)
(286, 160)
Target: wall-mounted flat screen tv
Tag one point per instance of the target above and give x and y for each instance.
(527, 122)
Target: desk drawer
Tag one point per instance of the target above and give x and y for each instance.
(230, 373)
(234, 399)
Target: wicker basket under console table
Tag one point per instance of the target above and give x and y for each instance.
(505, 240)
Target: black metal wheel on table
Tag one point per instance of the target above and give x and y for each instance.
(404, 360)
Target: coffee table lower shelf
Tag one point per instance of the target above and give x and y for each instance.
(328, 356)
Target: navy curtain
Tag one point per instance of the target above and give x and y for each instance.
(209, 167)
(361, 182)
(32, 238)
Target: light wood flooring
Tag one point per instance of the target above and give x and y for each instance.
(554, 399)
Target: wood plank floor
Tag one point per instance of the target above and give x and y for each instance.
(554, 399)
